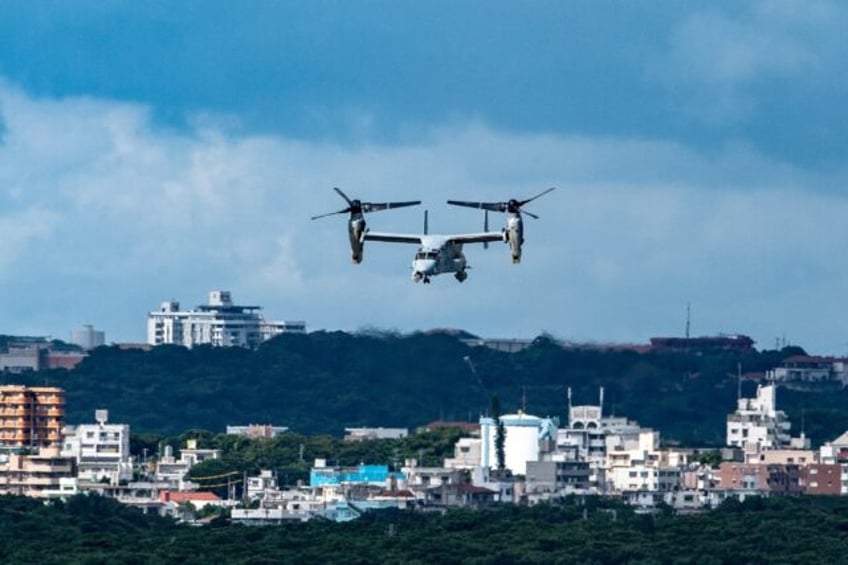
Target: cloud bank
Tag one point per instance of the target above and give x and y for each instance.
(105, 214)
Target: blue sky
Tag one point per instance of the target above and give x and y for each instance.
(157, 150)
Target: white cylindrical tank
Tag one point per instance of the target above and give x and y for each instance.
(521, 443)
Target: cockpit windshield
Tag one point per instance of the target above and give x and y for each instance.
(434, 255)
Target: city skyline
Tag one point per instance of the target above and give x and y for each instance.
(698, 155)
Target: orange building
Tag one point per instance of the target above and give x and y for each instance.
(31, 416)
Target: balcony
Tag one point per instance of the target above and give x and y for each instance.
(51, 401)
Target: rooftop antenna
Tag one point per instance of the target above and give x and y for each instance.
(524, 398)
(803, 414)
(602, 399)
(688, 319)
(738, 381)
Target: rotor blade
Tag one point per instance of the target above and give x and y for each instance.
(345, 211)
(343, 195)
(493, 206)
(544, 192)
(531, 214)
(377, 206)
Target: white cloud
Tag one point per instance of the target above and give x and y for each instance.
(105, 216)
(715, 58)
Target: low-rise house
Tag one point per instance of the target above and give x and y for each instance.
(467, 453)
(416, 477)
(198, 499)
(173, 470)
(461, 495)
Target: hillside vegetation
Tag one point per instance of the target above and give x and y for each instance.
(91, 529)
(326, 381)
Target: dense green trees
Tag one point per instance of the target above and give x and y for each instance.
(90, 529)
(290, 456)
(325, 381)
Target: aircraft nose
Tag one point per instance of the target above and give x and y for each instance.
(426, 266)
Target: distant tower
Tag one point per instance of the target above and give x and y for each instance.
(688, 318)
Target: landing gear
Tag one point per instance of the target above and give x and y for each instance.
(461, 276)
(426, 280)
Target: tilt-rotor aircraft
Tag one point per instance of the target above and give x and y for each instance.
(357, 227)
(514, 232)
(437, 254)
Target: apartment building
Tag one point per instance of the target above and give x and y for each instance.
(36, 475)
(777, 478)
(757, 421)
(101, 450)
(220, 322)
(31, 416)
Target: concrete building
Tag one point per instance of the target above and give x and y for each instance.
(522, 434)
(557, 476)
(644, 466)
(171, 470)
(265, 431)
(758, 422)
(376, 475)
(810, 370)
(87, 337)
(467, 453)
(31, 416)
(219, 323)
(101, 450)
(822, 478)
(360, 434)
(39, 475)
(37, 353)
(774, 478)
(416, 478)
(590, 435)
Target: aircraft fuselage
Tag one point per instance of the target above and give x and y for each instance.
(436, 257)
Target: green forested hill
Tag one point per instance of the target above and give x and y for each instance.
(323, 382)
(91, 529)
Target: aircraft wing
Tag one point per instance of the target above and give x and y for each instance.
(476, 237)
(392, 237)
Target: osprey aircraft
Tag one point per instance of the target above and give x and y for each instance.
(437, 254)
(356, 226)
(514, 232)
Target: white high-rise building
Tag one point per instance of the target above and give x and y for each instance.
(220, 323)
(757, 422)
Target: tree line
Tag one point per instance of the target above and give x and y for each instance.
(322, 382)
(92, 529)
